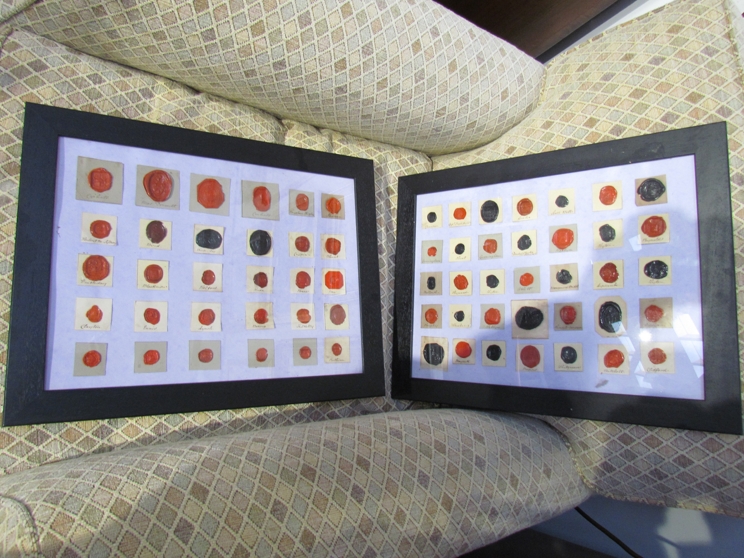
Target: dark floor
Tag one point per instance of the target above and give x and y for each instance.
(532, 544)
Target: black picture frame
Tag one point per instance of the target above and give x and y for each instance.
(26, 399)
(719, 411)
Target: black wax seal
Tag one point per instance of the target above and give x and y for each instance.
(564, 277)
(528, 317)
(460, 248)
(561, 201)
(431, 283)
(489, 211)
(569, 354)
(524, 242)
(260, 242)
(459, 315)
(607, 233)
(493, 352)
(651, 189)
(492, 281)
(610, 314)
(431, 217)
(209, 239)
(656, 269)
(433, 353)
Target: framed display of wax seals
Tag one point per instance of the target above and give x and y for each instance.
(162, 270)
(585, 283)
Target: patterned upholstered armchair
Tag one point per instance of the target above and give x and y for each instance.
(414, 88)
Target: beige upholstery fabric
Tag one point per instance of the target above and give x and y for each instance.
(673, 68)
(418, 483)
(406, 73)
(18, 536)
(9, 8)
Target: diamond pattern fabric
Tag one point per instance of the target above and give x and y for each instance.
(672, 68)
(406, 73)
(418, 483)
(9, 8)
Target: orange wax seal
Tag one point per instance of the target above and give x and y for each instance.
(152, 316)
(563, 238)
(94, 314)
(526, 279)
(653, 313)
(206, 317)
(525, 207)
(431, 316)
(490, 246)
(208, 277)
(303, 316)
(336, 349)
(463, 349)
(153, 274)
(607, 195)
(302, 280)
(96, 268)
(302, 202)
(657, 356)
(92, 359)
(302, 243)
(262, 354)
(337, 314)
(209, 193)
(608, 272)
(568, 315)
(100, 179)
(432, 251)
(261, 198)
(333, 246)
(461, 282)
(654, 226)
(205, 355)
(460, 213)
(614, 359)
(493, 316)
(151, 357)
(530, 356)
(260, 279)
(100, 229)
(306, 352)
(261, 316)
(334, 280)
(333, 206)
(158, 185)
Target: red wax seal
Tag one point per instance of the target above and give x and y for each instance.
(302, 280)
(526, 279)
(92, 359)
(333, 246)
(100, 229)
(262, 354)
(431, 316)
(158, 185)
(657, 356)
(303, 315)
(463, 349)
(205, 355)
(490, 246)
(306, 352)
(608, 272)
(94, 314)
(96, 268)
(261, 198)
(568, 315)
(432, 251)
(493, 316)
(614, 359)
(100, 179)
(530, 356)
(209, 193)
(302, 243)
(260, 279)
(261, 316)
(654, 226)
(333, 206)
(337, 314)
(334, 280)
(607, 195)
(653, 313)
(302, 202)
(206, 317)
(208, 277)
(336, 349)
(151, 357)
(563, 238)
(152, 316)
(460, 213)
(153, 274)
(461, 282)
(525, 207)
(156, 232)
